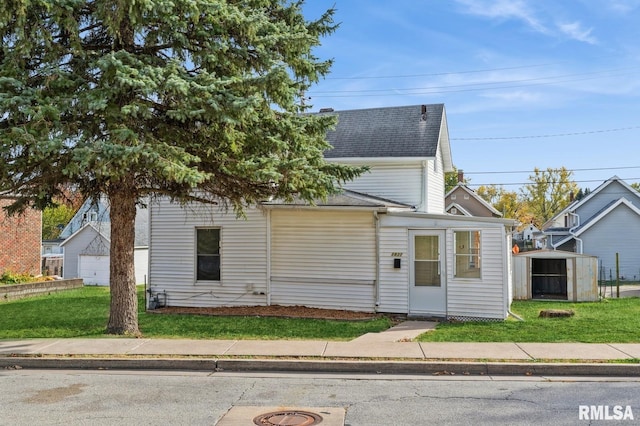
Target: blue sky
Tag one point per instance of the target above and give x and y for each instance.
(526, 83)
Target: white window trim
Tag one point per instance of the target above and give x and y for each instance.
(480, 255)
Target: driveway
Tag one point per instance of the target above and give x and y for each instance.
(625, 291)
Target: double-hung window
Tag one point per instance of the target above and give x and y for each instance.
(208, 254)
(467, 254)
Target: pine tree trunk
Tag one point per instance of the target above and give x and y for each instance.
(123, 314)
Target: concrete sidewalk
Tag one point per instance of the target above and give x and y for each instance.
(391, 351)
(318, 349)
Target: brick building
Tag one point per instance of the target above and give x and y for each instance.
(20, 241)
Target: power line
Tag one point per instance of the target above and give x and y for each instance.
(372, 77)
(463, 87)
(459, 72)
(524, 80)
(548, 182)
(588, 132)
(542, 170)
(601, 181)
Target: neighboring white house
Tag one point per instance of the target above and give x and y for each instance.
(603, 223)
(87, 244)
(385, 244)
(530, 238)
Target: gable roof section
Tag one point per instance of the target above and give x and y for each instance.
(100, 228)
(103, 229)
(398, 132)
(574, 206)
(97, 206)
(599, 216)
(473, 194)
(459, 207)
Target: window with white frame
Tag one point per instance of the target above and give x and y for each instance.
(208, 254)
(467, 254)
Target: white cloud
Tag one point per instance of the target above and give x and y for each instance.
(505, 9)
(575, 31)
(520, 10)
(623, 6)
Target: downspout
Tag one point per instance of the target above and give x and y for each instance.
(508, 268)
(573, 228)
(376, 288)
(514, 315)
(507, 243)
(423, 189)
(268, 257)
(147, 280)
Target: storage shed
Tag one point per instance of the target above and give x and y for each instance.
(555, 275)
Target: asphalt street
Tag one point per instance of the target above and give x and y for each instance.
(72, 397)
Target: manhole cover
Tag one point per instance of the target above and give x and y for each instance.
(288, 418)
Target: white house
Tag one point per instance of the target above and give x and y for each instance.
(385, 244)
(87, 240)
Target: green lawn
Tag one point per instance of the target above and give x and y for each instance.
(610, 321)
(84, 313)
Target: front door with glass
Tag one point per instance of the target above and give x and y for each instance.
(427, 286)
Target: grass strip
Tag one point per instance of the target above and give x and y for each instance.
(608, 321)
(84, 312)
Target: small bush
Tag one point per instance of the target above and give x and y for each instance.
(8, 277)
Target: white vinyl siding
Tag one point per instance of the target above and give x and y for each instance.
(434, 188)
(141, 256)
(394, 287)
(617, 232)
(612, 192)
(398, 182)
(319, 258)
(486, 297)
(243, 251)
(323, 259)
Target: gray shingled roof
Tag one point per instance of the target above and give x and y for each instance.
(386, 132)
(344, 199)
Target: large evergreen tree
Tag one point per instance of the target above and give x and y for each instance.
(132, 98)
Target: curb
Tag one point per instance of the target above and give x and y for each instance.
(327, 366)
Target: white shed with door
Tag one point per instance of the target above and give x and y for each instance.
(555, 275)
